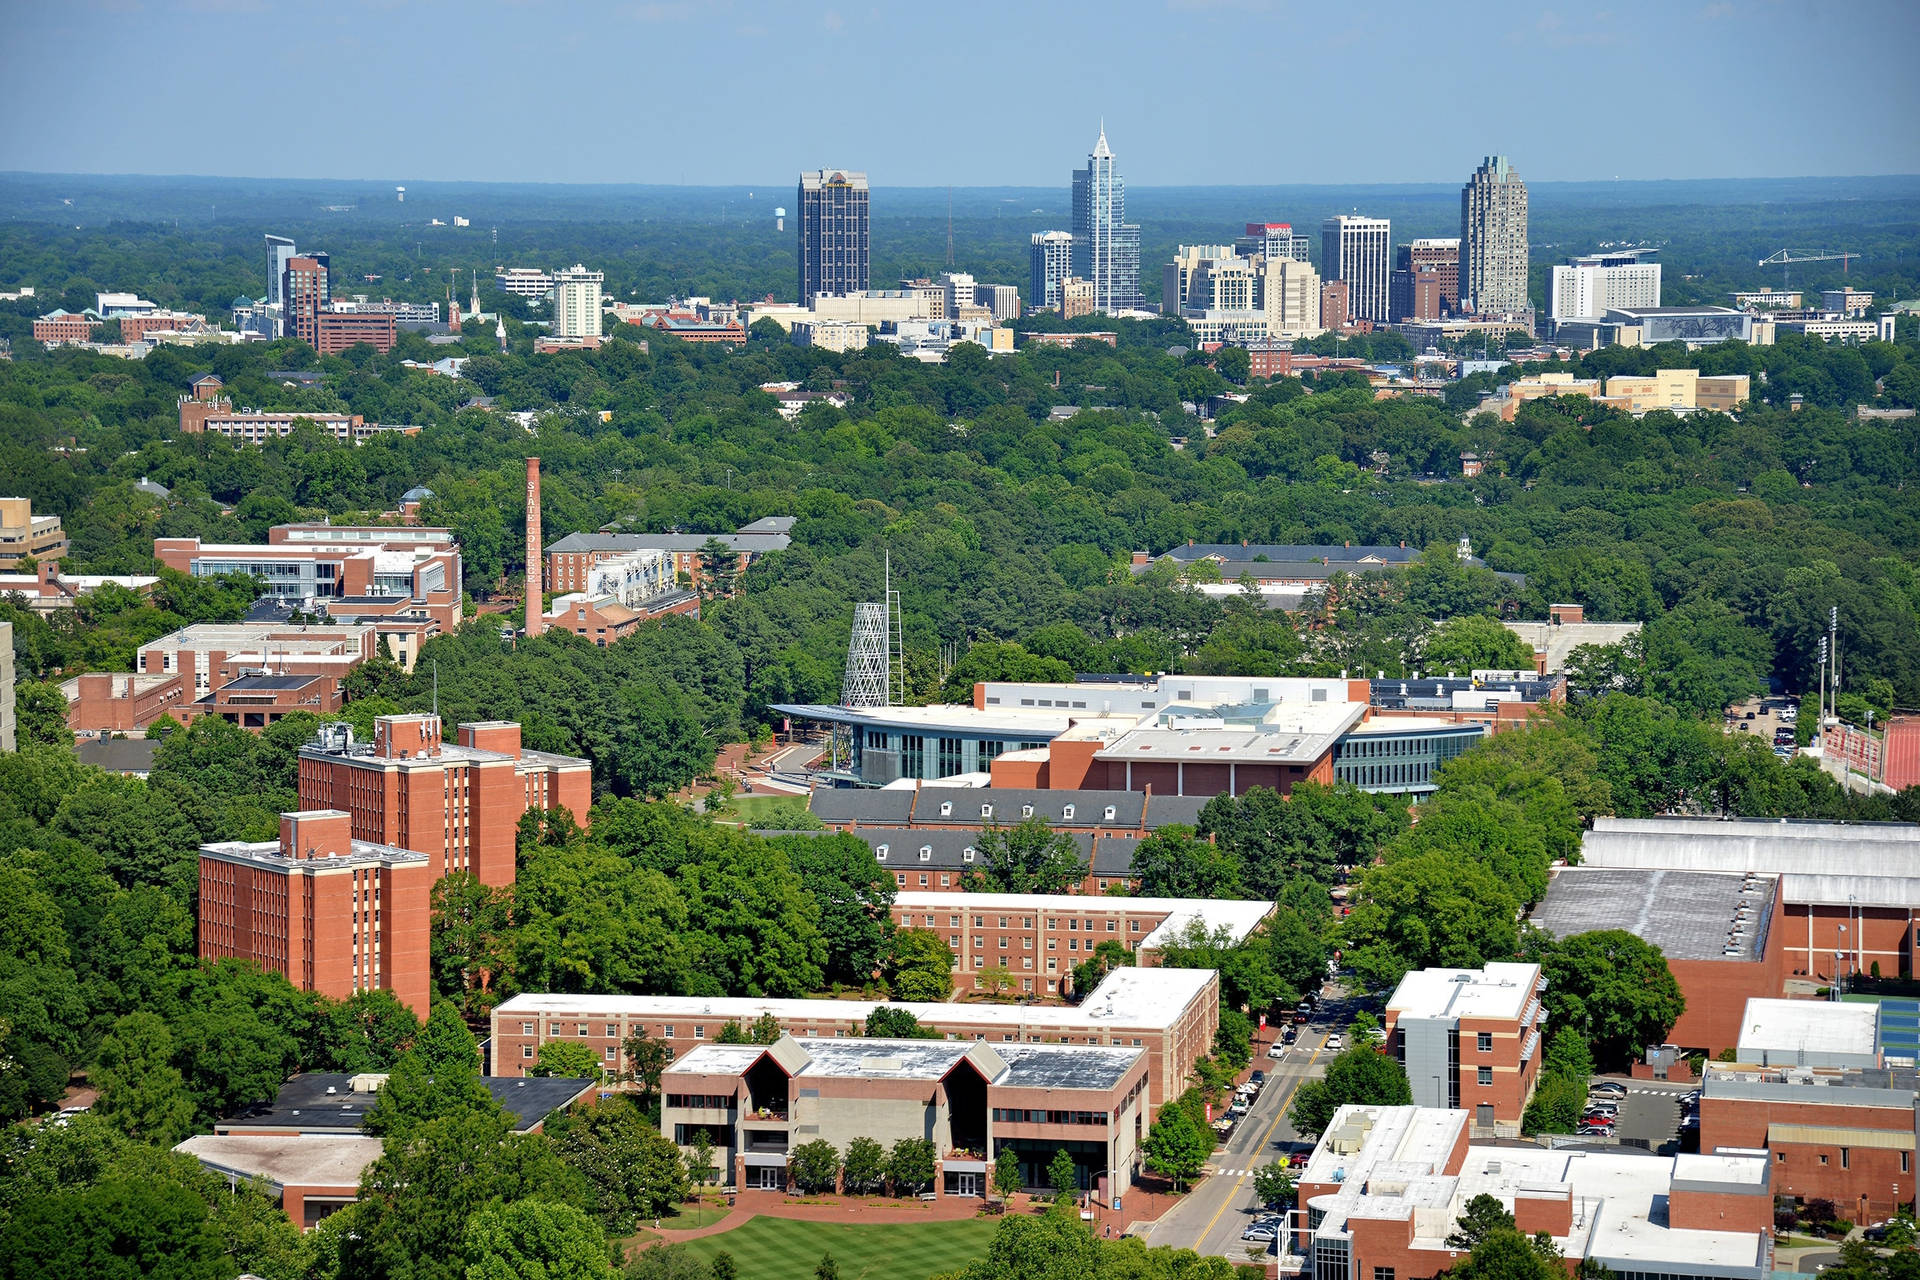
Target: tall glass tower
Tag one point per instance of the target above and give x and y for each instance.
(1106, 247)
(835, 253)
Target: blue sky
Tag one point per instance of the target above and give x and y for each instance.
(960, 92)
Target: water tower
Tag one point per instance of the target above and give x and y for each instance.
(780, 219)
(400, 194)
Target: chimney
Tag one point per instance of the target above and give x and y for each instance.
(536, 610)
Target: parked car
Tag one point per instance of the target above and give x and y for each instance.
(1258, 1077)
(1607, 1089)
(1335, 1043)
(1594, 1130)
(1261, 1232)
(1279, 1050)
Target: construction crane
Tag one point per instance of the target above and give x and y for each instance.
(1787, 257)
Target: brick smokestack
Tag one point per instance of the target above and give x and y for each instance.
(536, 611)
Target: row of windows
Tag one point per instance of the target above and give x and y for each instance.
(1017, 1115)
(1846, 1158)
(700, 1101)
(810, 1033)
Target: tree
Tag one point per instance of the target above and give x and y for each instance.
(1430, 910)
(1315, 831)
(141, 1092)
(886, 1022)
(1613, 990)
(568, 1059)
(1090, 973)
(1062, 1174)
(1474, 642)
(634, 1171)
(529, 1240)
(1007, 1179)
(991, 660)
(647, 1060)
(114, 1231)
(700, 1166)
(1029, 857)
(814, 1166)
(826, 1268)
(1505, 1254)
(864, 1171)
(1479, 1218)
(921, 966)
(1274, 1184)
(1173, 862)
(1359, 1076)
(438, 1077)
(472, 937)
(854, 894)
(40, 712)
(910, 1165)
(1177, 1147)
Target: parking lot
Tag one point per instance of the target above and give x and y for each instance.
(1650, 1115)
(1768, 718)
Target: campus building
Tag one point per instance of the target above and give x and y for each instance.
(1471, 1039)
(23, 535)
(1385, 1186)
(1168, 1014)
(1589, 286)
(460, 803)
(571, 560)
(406, 582)
(333, 914)
(622, 592)
(972, 1099)
(1037, 938)
(205, 409)
(1565, 630)
(48, 590)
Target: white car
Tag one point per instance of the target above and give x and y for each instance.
(1278, 1051)
(1335, 1042)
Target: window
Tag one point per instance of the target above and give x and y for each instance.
(900, 878)
(1485, 1044)
(1780, 1157)
(669, 1031)
(986, 811)
(583, 1030)
(1906, 1158)
(1027, 963)
(946, 881)
(946, 808)
(1066, 813)
(613, 1031)
(966, 855)
(926, 853)
(1110, 812)
(526, 1051)
(1383, 1273)
(1845, 1162)
(608, 1052)
(880, 852)
(1823, 1159)
(699, 1032)
(526, 1028)
(1026, 811)
(923, 879)
(1486, 1075)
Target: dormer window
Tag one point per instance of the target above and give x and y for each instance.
(1066, 813)
(1026, 811)
(926, 853)
(1111, 812)
(986, 811)
(966, 855)
(946, 808)
(880, 852)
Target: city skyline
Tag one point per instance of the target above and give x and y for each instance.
(1674, 62)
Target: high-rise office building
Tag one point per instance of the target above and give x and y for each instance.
(1441, 255)
(1106, 247)
(279, 249)
(1359, 252)
(576, 302)
(1052, 263)
(835, 249)
(1493, 240)
(1292, 299)
(305, 292)
(1274, 240)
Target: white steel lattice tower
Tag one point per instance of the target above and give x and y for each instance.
(869, 678)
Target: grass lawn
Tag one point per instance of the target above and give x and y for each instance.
(751, 809)
(783, 1249)
(693, 1217)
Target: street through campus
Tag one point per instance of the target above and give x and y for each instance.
(1210, 1219)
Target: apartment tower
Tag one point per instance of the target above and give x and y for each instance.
(576, 302)
(1359, 252)
(1052, 263)
(835, 248)
(1493, 240)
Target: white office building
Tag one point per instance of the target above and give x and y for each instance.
(1359, 251)
(524, 281)
(576, 302)
(1052, 263)
(1587, 288)
(1292, 299)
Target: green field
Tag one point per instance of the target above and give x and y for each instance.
(782, 1249)
(752, 809)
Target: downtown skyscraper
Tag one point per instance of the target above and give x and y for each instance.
(835, 249)
(1359, 252)
(1493, 240)
(1106, 247)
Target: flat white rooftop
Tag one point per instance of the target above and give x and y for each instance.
(1500, 990)
(1131, 998)
(304, 1160)
(1238, 918)
(1816, 1032)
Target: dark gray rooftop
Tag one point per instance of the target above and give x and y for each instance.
(304, 1103)
(757, 543)
(884, 807)
(1689, 915)
(1043, 1066)
(889, 807)
(118, 755)
(267, 684)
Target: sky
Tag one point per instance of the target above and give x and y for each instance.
(960, 92)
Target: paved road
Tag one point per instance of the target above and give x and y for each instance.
(1210, 1219)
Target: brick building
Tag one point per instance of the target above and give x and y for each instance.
(460, 803)
(1471, 1039)
(136, 328)
(1039, 937)
(58, 327)
(972, 1099)
(1385, 1186)
(120, 701)
(334, 914)
(1842, 1134)
(571, 561)
(1171, 1014)
(1334, 313)
(406, 582)
(47, 590)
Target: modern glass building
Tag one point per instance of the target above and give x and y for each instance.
(1106, 248)
(1400, 761)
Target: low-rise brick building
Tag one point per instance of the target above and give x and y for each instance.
(1472, 1039)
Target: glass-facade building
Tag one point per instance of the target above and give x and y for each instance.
(1106, 248)
(835, 247)
(1401, 762)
